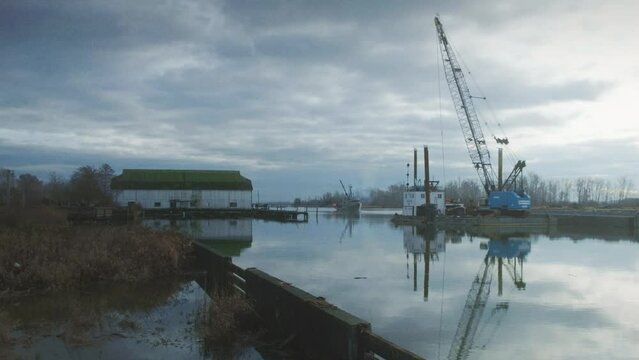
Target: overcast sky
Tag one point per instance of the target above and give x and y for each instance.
(299, 94)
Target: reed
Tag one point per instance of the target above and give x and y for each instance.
(227, 324)
(51, 257)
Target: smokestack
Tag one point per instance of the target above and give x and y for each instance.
(415, 167)
(426, 179)
(500, 164)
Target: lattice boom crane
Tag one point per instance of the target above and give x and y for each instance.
(499, 195)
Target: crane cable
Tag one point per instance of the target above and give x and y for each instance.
(441, 305)
(510, 153)
(441, 126)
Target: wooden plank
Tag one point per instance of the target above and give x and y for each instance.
(239, 290)
(238, 281)
(386, 349)
(235, 269)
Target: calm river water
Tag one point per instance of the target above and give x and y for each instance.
(562, 295)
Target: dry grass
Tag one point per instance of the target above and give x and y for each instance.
(32, 216)
(227, 324)
(44, 257)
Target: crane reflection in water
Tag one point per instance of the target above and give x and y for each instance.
(506, 253)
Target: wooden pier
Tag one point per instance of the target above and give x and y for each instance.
(101, 214)
(288, 216)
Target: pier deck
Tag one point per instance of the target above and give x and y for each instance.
(275, 215)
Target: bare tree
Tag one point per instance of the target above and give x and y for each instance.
(56, 188)
(624, 187)
(105, 174)
(30, 190)
(84, 187)
(7, 182)
(565, 191)
(466, 191)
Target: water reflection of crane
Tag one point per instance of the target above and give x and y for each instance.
(422, 244)
(514, 252)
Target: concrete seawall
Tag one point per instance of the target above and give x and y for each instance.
(539, 219)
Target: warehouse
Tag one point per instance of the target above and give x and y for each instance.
(197, 189)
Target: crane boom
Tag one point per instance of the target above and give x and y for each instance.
(471, 128)
(510, 182)
(473, 310)
(500, 198)
(344, 188)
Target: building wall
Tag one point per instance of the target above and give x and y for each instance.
(413, 199)
(198, 199)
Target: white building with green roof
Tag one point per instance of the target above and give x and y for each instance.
(196, 189)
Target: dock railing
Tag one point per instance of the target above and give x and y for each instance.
(319, 329)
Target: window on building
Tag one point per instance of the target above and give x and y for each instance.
(423, 196)
(439, 196)
(157, 204)
(233, 204)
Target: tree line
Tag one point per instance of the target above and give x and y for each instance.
(87, 186)
(581, 191)
(90, 185)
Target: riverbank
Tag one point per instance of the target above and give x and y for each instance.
(43, 257)
(99, 290)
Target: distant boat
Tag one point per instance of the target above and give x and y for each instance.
(348, 205)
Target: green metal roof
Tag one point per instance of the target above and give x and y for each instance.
(139, 179)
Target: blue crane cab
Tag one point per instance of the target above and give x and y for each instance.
(508, 200)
